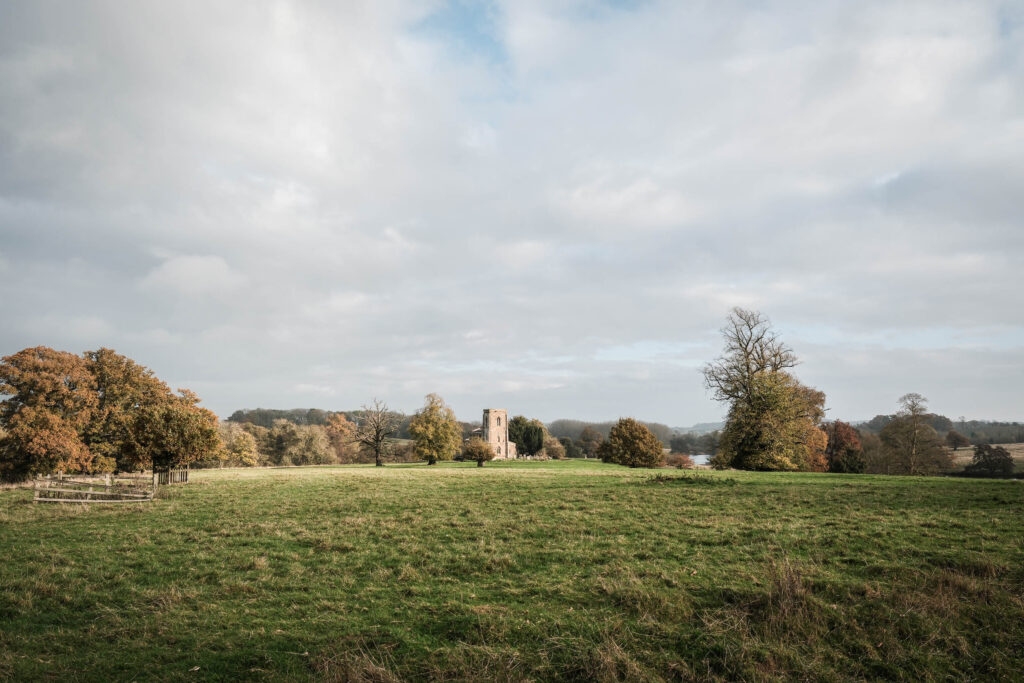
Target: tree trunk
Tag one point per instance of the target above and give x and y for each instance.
(479, 463)
(379, 462)
(432, 460)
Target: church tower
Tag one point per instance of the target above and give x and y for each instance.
(495, 433)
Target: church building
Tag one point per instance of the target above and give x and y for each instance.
(495, 432)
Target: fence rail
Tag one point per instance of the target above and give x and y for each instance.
(100, 490)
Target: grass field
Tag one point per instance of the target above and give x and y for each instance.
(964, 456)
(568, 570)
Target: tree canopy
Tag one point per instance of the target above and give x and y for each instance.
(528, 435)
(990, 461)
(476, 449)
(95, 413)
(632, 444)
(773, 419)
(843, 452)
(752, 348)
(911, 443)
(435, 431)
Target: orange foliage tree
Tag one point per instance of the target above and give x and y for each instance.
(94, 413)
(51, 398)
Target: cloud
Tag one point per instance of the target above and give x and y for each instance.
(193, 276)
(546, 206)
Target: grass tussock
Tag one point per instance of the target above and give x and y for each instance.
(692, 479)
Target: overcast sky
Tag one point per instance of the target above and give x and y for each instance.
(543, 206)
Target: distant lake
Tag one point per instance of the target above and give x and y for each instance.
(700, 459)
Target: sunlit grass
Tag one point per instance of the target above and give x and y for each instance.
(570, 570)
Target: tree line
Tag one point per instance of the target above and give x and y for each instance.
(101, 411)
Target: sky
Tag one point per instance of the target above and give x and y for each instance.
(544, 206)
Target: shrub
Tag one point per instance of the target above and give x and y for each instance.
(679, 461)
(632, 444)
(479, 450)
(990, 461)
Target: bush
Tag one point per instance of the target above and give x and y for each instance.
(632, 444)
(990, 461)
(680, 461)
(477, 449)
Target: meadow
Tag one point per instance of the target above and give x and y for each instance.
(519, 571)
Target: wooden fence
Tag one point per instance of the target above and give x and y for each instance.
(105, 488)
(175, 476)
(102, 489)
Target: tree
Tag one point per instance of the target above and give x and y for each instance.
(751, 348)
(241, 447)
(911, 444)
(682, 444)
(572, 449)
(316, 447)
(990, 461)
(374, 430)
(174, 433)
(590, 441)
(341, 435)
(956, 440)
(479, 450)
(553, 448)
(773, 419)
(123, 388)
(708, 443)
(435, 432)
(774, 428)
(528, 435)
(51, 396)
(844, 450)
(632, 444)
(876, 461)
(285, 440)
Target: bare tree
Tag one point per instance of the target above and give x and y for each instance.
(375, 426)
(751, 347)
(911, 442)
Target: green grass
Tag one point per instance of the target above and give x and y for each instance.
(570, 570)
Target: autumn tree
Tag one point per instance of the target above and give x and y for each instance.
(123, 388)
(912, 445)
(341, 433)
(479, 450)
(773, 421)
(174, 433)
(553, 447)
(990, 461)
(284, 440)
(435, 432)
(528, 435)
(51, 396)
(374, 428)
(632, 444)
(774, 427)
(590, 441)
(956, 440)
(843, 451)
(240, 446)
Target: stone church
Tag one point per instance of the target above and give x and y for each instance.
(495, 432)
